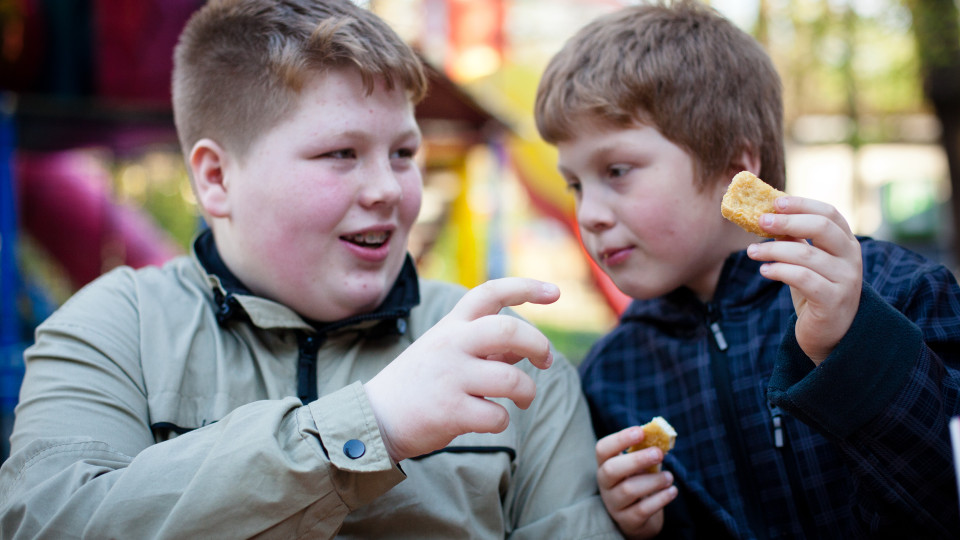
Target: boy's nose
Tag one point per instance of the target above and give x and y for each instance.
(380, 187)
(593, 213)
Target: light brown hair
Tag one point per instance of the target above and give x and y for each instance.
(682, 68)
(239, 64)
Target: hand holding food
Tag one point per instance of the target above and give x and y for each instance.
(818, 257)
(632, 487)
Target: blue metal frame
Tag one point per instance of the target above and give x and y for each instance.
(11, 324)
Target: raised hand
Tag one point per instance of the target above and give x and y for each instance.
(825, 275)
(437, 389)
(633, 497)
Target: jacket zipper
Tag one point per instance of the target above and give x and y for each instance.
(724, 388)
(776, 414)
(307, 345)
(793, 473)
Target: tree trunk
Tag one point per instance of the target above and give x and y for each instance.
(936, 29)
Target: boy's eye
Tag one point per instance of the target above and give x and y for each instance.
(403, 153)
(616, 171)
(343, 153)
(573, 187)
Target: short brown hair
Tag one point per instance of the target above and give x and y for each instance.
(682, 68)
(239, 63)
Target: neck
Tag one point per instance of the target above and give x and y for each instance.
(734, 239)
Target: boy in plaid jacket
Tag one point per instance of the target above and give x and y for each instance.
(810, 379)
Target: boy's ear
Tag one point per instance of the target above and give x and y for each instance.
(747, 160)
(207, 160)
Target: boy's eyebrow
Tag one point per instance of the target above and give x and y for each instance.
(603, 151)
(596, 155)
(363, 135)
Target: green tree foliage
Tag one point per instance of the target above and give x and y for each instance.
(836, 59)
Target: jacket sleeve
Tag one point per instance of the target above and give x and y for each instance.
(554, 492)
(84, 462)
(885, 396)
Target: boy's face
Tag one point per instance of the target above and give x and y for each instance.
(642, 216)
(321, 207)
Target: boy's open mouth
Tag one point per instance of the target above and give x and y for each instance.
(368, 239)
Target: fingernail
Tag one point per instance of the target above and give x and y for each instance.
(549, 361)
(766, 219)
(550, 288)
(780, 202)
(668, 477)
(752, 250)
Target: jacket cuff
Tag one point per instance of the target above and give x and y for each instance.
(350, 436)
(860, 377)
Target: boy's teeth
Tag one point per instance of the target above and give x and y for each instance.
(368, 237)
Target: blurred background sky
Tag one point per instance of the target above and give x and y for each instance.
(92, 177)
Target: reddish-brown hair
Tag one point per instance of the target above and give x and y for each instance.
(239, 64)
(682, 68)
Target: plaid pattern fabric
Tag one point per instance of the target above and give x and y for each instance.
(889, 471)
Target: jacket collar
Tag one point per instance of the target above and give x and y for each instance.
(739, 285)
(235, 301)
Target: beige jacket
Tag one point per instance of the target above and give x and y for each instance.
(138, 357)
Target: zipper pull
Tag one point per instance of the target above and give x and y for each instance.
(777, 420)
(718, 336)
(714, 322)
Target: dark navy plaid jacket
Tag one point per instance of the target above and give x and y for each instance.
(769, 446)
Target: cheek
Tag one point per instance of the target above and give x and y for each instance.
(319, 206)
(300, 225)
(653, 218)
(410, 204)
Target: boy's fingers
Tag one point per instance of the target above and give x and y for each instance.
(612, 472)
(490, 297)
(493, 379)
(648, 506)
(507, 339)
(792, 252)
(615, 443)
(813, 286)
(638, 489)
(478, 415)
(803, 205)
(802, 255)
(826, 235)
(799, 217)
(618, 468)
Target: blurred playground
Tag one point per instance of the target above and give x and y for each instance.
(91, 176)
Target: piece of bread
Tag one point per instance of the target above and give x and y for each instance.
(748, 197)
(657, 432)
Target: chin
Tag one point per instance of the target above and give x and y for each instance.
(362, 292)
(637, 290)
(367, 295)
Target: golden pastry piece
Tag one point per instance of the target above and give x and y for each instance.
(746, 199)
(657, 432)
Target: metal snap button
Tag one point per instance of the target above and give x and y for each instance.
(354, 449)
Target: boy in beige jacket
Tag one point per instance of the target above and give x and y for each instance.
(294, 378)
